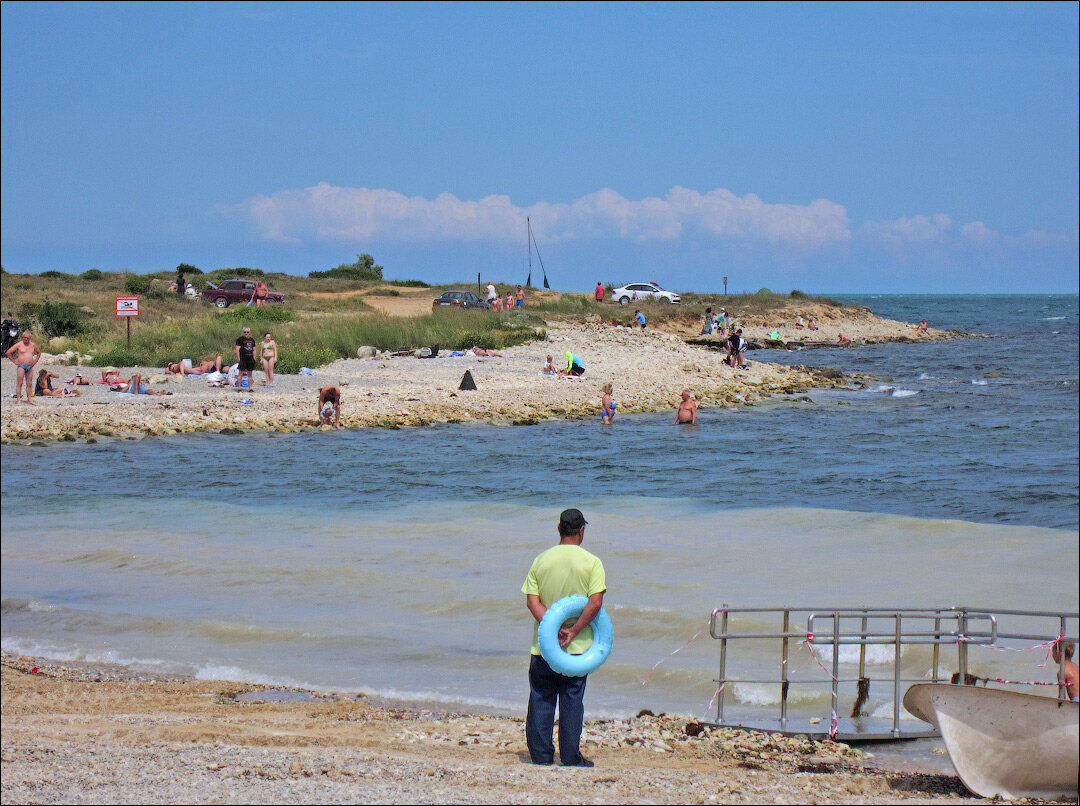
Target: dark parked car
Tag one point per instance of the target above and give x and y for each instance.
(460, 299)
(231, 291)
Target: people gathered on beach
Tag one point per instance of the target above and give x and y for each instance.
(575, 365)
(24, 354)
(737, 346)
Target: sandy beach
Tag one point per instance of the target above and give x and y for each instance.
(79, 733)
(649, 369)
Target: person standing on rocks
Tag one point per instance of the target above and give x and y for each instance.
(563, 570)
(24, 354)
(245, 359)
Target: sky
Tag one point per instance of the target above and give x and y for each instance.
(830, 148)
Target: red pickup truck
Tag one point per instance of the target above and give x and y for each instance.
(231, 291)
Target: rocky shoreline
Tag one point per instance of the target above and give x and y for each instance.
(90, 733)
(649, 370)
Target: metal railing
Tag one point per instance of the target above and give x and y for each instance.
(957, 628)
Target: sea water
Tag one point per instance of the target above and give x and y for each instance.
(391, 562)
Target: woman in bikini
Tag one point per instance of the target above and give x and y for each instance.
(269, 358)
(607, 405)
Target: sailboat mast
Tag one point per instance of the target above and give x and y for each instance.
(528, 229)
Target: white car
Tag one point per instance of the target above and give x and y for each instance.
(643, 291)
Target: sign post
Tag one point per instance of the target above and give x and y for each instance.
(127, 307)
(725, 285)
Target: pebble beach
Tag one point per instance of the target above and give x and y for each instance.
(82, 733)
(649, 370)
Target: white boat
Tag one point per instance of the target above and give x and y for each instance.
(1004, 743)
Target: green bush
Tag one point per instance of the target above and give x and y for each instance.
(187, 268)
(56, 275)
(251, 313)
(92, 274)
(137, 284)
(409, 283)
(118, 357)
(363, 269)
(55, 318)
(293, 356)
(384, 292)
(243, 271)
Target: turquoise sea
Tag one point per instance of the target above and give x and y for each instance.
(391, 562)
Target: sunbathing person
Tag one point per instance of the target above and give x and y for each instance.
(110, 376)
(135, 386)
(482, 351)
(205, 366)
(43, 387)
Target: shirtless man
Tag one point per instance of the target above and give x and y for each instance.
(24, 354)
(1071, 678)
(330, 406)
(687, 412)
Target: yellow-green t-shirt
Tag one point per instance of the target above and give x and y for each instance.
(565, 570)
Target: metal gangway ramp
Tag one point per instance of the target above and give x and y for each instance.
(822, 632)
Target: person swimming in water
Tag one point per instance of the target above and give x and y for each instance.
(607, 405)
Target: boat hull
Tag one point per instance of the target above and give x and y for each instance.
(1004, 743)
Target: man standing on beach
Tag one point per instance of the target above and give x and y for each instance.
(24, 354)
(245, 359)
(563, 570)
(492, 294)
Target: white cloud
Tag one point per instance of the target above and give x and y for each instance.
(978, 233)
(328, 213)
(904, 231)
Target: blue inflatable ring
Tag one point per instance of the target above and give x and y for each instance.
(561, 661)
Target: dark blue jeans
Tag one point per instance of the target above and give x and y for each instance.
(546, 688)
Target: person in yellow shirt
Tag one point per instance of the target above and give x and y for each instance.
(563, 570)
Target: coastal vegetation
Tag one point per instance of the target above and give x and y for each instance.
(327, 315)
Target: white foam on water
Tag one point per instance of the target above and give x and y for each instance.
(769, 693)
(22, 646)
(236, 674)
(882, 388)
(904, 392)
(925, 376)
(885, 711)
(978, 382)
